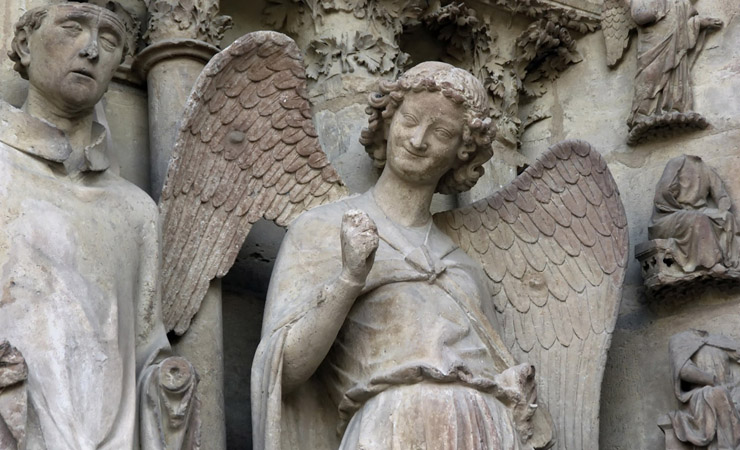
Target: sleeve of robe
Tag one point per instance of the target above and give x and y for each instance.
(667, 188)
(681, 348)
(718, 191)
(309, 257)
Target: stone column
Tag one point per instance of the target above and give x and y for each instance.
(182, 37)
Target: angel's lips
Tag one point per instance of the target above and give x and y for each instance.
(418, 155)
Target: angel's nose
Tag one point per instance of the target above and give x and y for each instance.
(417, 138)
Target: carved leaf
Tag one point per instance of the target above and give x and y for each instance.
(369, 53)
(560, 276)
(247, 149)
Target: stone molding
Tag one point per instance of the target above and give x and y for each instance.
(169, 49)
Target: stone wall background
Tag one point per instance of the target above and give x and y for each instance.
(588, 101)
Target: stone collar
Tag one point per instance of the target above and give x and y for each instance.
(41, 139)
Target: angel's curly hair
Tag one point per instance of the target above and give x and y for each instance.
(32, 19)
(459, 86)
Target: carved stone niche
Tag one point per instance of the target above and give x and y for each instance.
(692, 233)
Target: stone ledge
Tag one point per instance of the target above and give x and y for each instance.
(667, 284)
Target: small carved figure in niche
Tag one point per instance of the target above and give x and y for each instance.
(706, 372)
(79, 254)
(693, 211)
(670, 36)
(693, 230)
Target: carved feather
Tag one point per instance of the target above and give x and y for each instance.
(616, 24)
(559, 253)
(246, 149)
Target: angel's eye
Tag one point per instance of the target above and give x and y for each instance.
(409, 119)
(442, 133)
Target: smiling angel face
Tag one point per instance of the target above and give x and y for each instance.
(425, 137)
(442, 94)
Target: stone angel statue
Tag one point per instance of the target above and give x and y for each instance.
(670, 36)
(386, 326)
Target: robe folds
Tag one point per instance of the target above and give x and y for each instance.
(665, 49)
(708, 417)
(79, 269)
(415, 362)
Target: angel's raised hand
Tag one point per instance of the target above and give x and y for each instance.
(359, 237)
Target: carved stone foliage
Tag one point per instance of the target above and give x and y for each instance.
(705, 375)
(541, 52)
(350, 51)
(13, 398)
(188, 19)
(670, 35)
(692, 231)
(329, 53)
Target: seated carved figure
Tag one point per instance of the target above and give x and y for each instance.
(79, 258)
(705, 374)
(693, 212)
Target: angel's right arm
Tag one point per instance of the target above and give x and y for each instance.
(309, 295)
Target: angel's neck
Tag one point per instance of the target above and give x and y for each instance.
(405, 203)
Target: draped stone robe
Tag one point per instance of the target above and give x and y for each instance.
(79, 261)
(692, 209)
(708, 417)
(665, 53)
(411, 333)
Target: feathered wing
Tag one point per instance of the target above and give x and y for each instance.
(554, 245)
(247, 148)
(616, 24)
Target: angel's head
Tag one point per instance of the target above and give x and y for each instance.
(454, 84)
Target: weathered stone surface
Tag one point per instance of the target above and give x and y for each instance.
(328, 261)
(79, 250)
(589, 100)
(558, 227)
(692, 231)
(704, 371)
